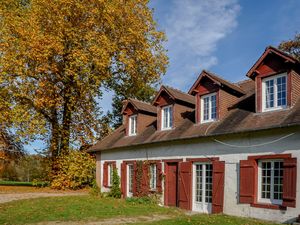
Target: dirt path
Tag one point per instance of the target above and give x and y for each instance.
(19, 196)
(113, 221)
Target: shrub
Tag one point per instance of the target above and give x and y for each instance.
(115, 190)
(95, 190)
(73, 171)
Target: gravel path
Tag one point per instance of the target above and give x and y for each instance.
(19, 196)
(112, 221)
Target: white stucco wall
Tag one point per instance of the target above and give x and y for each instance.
(259, 143)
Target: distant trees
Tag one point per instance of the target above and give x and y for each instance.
(292, 46)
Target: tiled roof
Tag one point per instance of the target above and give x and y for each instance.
(142, 106)
(177, 94)
(241, 118)
(218, 80)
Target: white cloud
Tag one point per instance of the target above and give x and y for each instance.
(194, 28)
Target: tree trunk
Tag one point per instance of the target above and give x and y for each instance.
(55, 139)
(66, 128)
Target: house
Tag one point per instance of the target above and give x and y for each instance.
(222, 147)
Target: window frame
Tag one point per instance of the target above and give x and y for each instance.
(153, 176)
(270, 201)
(170, 118)
(210, 119)
(264, 102)
(130, 125)
(110, 174)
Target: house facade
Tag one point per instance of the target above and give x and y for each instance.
(222, 147)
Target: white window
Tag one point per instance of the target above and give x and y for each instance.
(274, 92)
(270, 181)
(166, 117)
(110, 174)
(209, 107)
(152, 176)
(130, 179)
(132, 125)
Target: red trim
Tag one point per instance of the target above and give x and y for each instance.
(172, 160)
(203, 159)
(268, 206)
(275, 156)
(129, 161)
(153, 161)
(110, 162)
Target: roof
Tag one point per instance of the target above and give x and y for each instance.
(175, 94)
(240, 118)
(140, 106)
(268, 50)
(218, 80)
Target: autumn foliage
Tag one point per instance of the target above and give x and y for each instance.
(75, 170)
(56, 56)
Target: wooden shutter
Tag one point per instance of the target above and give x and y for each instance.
(145, 179)
(218, 186)
(124, 179)
(105, 174)
(158, 177)
(134, 179)
(247, 181)
(289, 182)
(185, 185)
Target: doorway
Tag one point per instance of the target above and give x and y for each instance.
(171, 191)
(202, 187)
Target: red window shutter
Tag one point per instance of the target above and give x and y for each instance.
(134, 179)
(105, 174)
(145, 179)
(218, 186)
(247, 181)
(123, 179)
(158, 177)
(289, 182)
(185, 185)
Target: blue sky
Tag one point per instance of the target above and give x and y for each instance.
(223, 36)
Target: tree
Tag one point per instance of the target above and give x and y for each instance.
(292, 46)
(56, 55)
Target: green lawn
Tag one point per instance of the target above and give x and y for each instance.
(88, 208)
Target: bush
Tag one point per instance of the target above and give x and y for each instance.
(73, 171)
(115, 190)
(95, 190)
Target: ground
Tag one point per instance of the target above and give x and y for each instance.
(68, 208)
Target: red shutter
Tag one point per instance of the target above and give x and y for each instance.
(145, 179)
(134, 179)
(185, 185)
(158, 177)
(247, 181)
(105, 175)
(123, 179)
(289, 182)
(218, 186)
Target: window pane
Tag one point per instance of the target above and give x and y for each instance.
(265, 180)
(153, 176)
(208, 185)
(213, 107)
(167, 119)
(206, 108)
(281, 91)
(278, 180)
(198, 183)
(130, 180)
(270, 94)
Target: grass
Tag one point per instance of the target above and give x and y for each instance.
(73, 208)
(5, 189)
(24, 184)
(204, 219)
(88, 208)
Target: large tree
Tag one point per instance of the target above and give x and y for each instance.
(292, 46)
(56, 57)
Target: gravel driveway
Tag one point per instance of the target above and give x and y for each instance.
(19, 196)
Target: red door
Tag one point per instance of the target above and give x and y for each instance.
(171, 184)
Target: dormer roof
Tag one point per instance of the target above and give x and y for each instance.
(218, 81)
(175, 95)
(270, 51)
(139, 106)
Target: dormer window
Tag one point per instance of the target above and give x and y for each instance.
(167, 117)
(208, 108)
(274, 92)
(132, 125)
